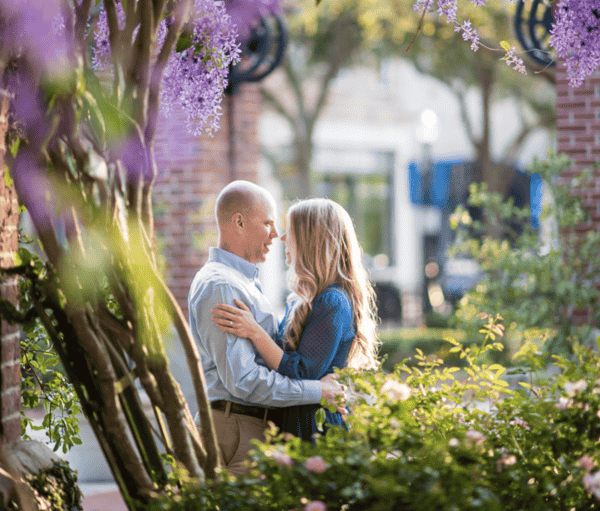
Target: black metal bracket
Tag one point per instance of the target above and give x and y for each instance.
(262, 52)
(532, 29)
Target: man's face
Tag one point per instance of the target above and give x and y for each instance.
(259, 232)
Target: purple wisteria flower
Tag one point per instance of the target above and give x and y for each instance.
(196, 76)
(35, 29)
(468, 34)
(245, 14)
(576, 37)
(101, 57)
(448, 8)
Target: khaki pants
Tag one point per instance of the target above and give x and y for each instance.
(234, 432)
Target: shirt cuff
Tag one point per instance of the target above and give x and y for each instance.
(312, 391)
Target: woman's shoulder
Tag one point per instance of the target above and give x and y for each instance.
(334, 296)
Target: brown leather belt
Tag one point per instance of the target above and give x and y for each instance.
(258, 412)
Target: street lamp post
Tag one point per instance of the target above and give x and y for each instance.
(428, 219)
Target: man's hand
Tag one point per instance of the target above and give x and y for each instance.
(334, 392)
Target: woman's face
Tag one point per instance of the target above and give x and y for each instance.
(290, 246)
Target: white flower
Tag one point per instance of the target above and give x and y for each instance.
(395, 390)
(563, 403)
(476, 437)
(591, 483)
(571, 388)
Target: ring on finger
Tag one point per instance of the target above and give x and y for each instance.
(230, 322)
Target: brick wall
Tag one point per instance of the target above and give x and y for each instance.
(10, 368)
(578, 132)
(192, 171)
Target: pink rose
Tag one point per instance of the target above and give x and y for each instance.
(586, 462)
(282, 459)
(315, 505)
(520, 422)
(316, 465)
(563, 403)
(476, 437)
(505, 461)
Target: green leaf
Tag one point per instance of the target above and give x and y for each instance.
(8, 181)
(320, 418)
(183, 42)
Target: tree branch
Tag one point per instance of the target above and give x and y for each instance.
(114, 34)
(464, 115)
(277, 105)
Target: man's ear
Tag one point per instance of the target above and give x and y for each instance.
(239, 220)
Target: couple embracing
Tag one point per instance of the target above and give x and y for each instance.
(258, 369)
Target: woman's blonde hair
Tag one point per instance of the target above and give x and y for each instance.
(326, 251)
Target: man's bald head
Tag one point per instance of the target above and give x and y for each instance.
(240, 197)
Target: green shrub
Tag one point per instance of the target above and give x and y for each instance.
(400, 345)
(422, 439)
(537, 283)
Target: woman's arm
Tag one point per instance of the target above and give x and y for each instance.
(329, 324)
(240, 322)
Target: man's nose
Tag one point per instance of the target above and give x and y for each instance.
(274, 233)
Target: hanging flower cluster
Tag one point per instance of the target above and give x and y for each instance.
(196, 74)
(576, 37)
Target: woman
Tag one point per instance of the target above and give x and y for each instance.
(330, 315)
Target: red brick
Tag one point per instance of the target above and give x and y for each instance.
(192, 170)
(11, 345)
(11, 374)
(11, 429)
(10, 401)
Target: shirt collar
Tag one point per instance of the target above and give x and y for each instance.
(218, 255)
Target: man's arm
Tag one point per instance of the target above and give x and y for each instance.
(235, 360)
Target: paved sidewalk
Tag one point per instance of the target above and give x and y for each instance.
(102, 497)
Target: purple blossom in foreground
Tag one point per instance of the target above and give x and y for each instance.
(245, 14)
(576, 37)
(36, 29)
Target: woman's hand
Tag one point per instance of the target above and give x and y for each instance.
(238, 321)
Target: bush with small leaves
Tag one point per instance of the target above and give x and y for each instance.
(433, 437)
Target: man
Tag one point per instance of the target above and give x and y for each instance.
(240, 387)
